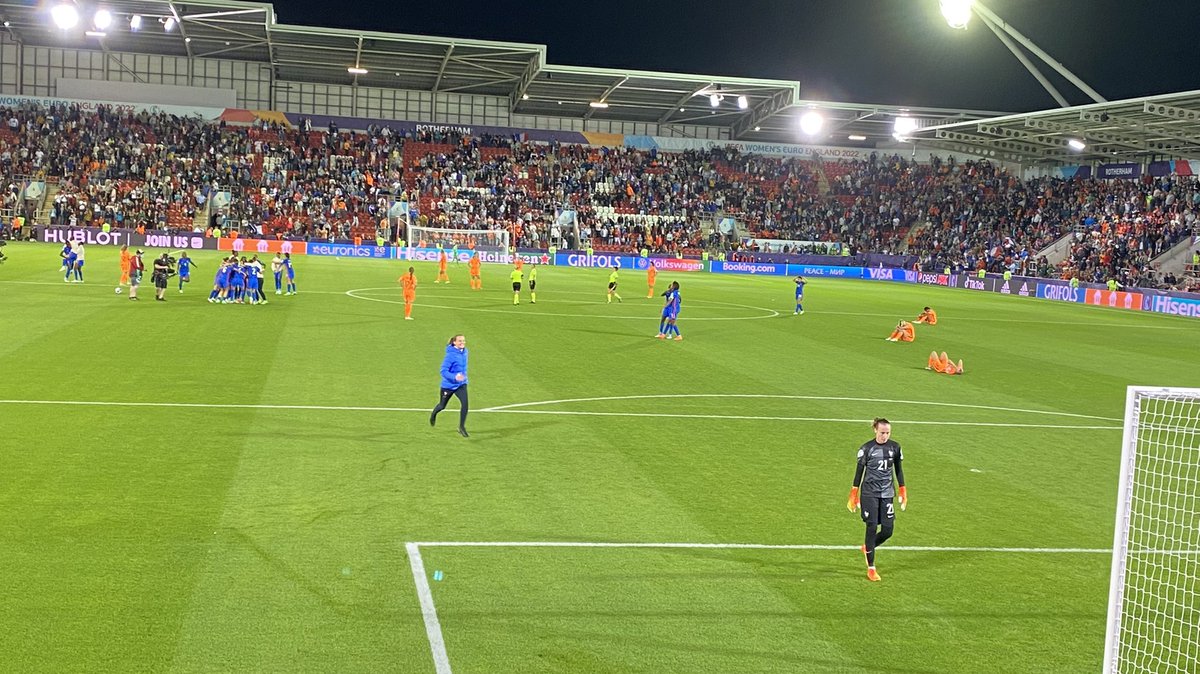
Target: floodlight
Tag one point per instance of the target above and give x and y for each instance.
(1076, 144)
(524, 97)
(598, 104)
(758, 128)
(357, 70)
(102, 19)
(65, 16)
(904, 126)
(169, 24)
(855, 136)
(714, 100)
(957, 13)
(811, 122)
(135, 22)
(94, 33)
(743, 103)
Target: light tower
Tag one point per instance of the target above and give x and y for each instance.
(958, 15)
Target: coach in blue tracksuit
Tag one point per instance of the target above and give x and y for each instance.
(454, 381)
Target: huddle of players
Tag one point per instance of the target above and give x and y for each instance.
(240, 281)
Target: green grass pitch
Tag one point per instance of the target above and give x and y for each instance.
(251, 513)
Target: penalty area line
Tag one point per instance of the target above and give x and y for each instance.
(433, 628)
(755, 546)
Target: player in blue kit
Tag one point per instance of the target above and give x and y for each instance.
(256, 268)
(237, 280)
(185, 270)
(277, 270)
(64, 253)
(252, 280)
(291, 273)
(220, 291)
(799, 295)
(78, 266)
(69, 257)
(670, 313)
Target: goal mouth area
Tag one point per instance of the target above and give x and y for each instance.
(1154, 591)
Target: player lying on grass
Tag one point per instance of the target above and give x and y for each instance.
(928, 316)
(904, 332)
(941, 363)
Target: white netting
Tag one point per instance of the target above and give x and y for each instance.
(1154, 613)
(432, 237)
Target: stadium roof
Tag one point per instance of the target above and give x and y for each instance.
(1166, 125)
(1138, 129)
(518, 71)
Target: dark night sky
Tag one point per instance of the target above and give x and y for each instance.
(896, 52)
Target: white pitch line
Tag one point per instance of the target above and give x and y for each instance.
(236, 406)
(795, 397)
(433, 628)
(507, 410)
(752, 546)
(735, 417)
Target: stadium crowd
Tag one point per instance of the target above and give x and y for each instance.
(160, 171)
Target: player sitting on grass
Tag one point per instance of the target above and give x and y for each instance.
(904, 332)
(928, 316)
(943, 364)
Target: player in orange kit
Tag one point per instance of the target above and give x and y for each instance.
(651, 274)
(928, 316)
(941, 363)
(125, 256)
(904, 332)
(473, 268)
(442, 268)
(408, 282)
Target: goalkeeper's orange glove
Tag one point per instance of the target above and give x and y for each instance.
(852, 502)
(904, 498)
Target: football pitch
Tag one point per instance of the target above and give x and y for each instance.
(196, 487)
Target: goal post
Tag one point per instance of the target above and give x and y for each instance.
(1154, 588)
(495, 240)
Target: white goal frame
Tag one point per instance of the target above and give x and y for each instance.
(487, 239)
(1135, 396)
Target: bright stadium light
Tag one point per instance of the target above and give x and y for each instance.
(597, 104)
(65, 16)
(743, 102)
(169, 24)
(357, 70)
(855, 136)
(102, 19)
(957, 13)
(904, 126)
(94, 33)
(811, 123)
(1076, 144)
(714, 100)
(135, 22)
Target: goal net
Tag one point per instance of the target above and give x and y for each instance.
(432, 237)
(1154, 596)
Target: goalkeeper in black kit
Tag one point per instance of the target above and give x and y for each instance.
(876, 458)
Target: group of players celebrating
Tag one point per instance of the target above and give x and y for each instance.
(240, 281)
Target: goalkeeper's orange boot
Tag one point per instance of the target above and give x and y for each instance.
(872, 575)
